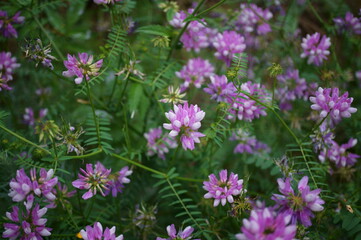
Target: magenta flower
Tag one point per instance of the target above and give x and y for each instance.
(83, 68)
(220, 88)
(93, 179)
(178, 19)
(185, 234)
(30, 225)
(328, 101)
(291, 86)
(96, 233)
(6, 27)
(265, 224)
(195, 72)
(339, 154)
(348, 24)
(62, 194)
(29, 118)
(117, 181)
(253, 19)
(248, 144)
(185, 122)
(7, 66)
(106, 1)
(300, 205)
(224, 189)
(158, 143)
(227, 44)
(315, 48)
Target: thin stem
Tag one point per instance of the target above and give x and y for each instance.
(87, 155)
(94, 115)
(56, 155)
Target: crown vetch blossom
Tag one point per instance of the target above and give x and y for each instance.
(349, 23)
(224, 189)
(227, 44)
(6, 27)
(315, 48)
(185, 234)
(328, 101)
(106, 1)
(195, 72)
(82, 68)
(248, 144)
(117, 181)
(93, 179)
(174, 96)
(291, 86)
(29, 226)
(96, 233)
(29, 119)
(220, 88)
(185, 122)
(61, 193)
(7, 66)
(265, 224)
(253, 19)
(39, 53)
(322, 140)
(300, 205)
(158, 144)
(339, 154)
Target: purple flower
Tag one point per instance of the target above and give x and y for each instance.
(248, 144)
(39, 53)
(186, 234)
(339, 155)
(253, 19)
(220, 88)
(7, 66)
(227, 44)
(83, 68)
(30, 225)
(224, 189)
(315, 48)
(265, 224)
(93, 179)
(328, 101)
(6, 27)
(158, 144)
(96, 233)
(29, 118)
(322, 140)
(299, 205)
(195, 72)
(178, 19)
(61, 193)
(117, 181)
(349, 23)
(106, 1)
(291, 86)
(185, 122)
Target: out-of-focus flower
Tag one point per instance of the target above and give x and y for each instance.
(158, 143)
(315, 48)
(26, 225)
(61, 193)
(130, 69)
(339, 154)
(185, 122)
(6, 27)
(161, 41)
(169, 6)
(185, 234)
(195, 72)
(178, 19)
(254, 19)
(47, 130)
(96, 233)
(29, 118)
(224, 189)
(174, 96)
(93, 179)
(291, 86)
(82, 68)
(300, 205)
(248, 144)
(265, 224)
(106, 1)
(144, 217)
(39, 53)
(220, 88)
(117, 181)
(7, 66)
(348, 24)
(227, 44)
(322, 140)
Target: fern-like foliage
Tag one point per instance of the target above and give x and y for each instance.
(116, 43)
(125, 7)
(238, 69)
(163, 76)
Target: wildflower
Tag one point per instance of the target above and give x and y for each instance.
(106, 1)
(174, 96)
(315, 48)
(300, 205)
(169, 6)
(275, 70)
(178, 19)
(322, 140)
(220, 88)
(130, 68)
(7, 66)
(117, 181)
(161, 41)
(349, 23)
(6, 27)
(185, 234)
(227, 44)
(185, 121)
(70, 138)
(224, 189)
(339, 154)
(195, 72)
(144, 218)
(265, 224)
(82, 68)
(39, 53)
(29, 118)
(61, 193)
(254, 19)
(328, 102)
(248, 144)
(93, 179)
(96, 233)
(158, 144)
(47, 130)
(26, 225)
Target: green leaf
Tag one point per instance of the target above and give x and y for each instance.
(135, 94)
(155, 30)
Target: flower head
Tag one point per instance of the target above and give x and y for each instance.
(253, 19)
(227, 44)
(185, 234)
(174, 96)
(7, 66)
(339, 154)
(348, 24)
(96, 233)
(158, 143)
(195, 72)
(6, 27)
(62, 194)
(315, 48)
(29, 118)
(117, 181)
(185, 122)
(106, 1)
(130, 68)
(224, 189)
(248, 144)
(220, 88)
(39, 53)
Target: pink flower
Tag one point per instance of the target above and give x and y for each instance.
(185, 234)
(195, 72)
(220, 88)
(315, 48)
(227, 44)
(96, 233)
(117, 181)
(158, 143)
(6, 27)
(253, 19)
(7, 66)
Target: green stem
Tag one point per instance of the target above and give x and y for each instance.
(94, 115)
(87, 155)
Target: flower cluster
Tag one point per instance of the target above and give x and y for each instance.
(265, 224)
(224, 189)
(117, 181)
(227, 44)
(82, 68)
(248, 144)
(29, 118)
(185, 234)
(300, 205)
(315, 48)
(185, 122)
(195, 72)
(158, 144)
(62, 195)
(254, 19)
(106, 1)
(174, 96)
(6, 24)
(338, 153)
(39, 53)
(348, 24)
(96, 233)
(7, 66)
(26, 225)
(69, 137)
(220, 88)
